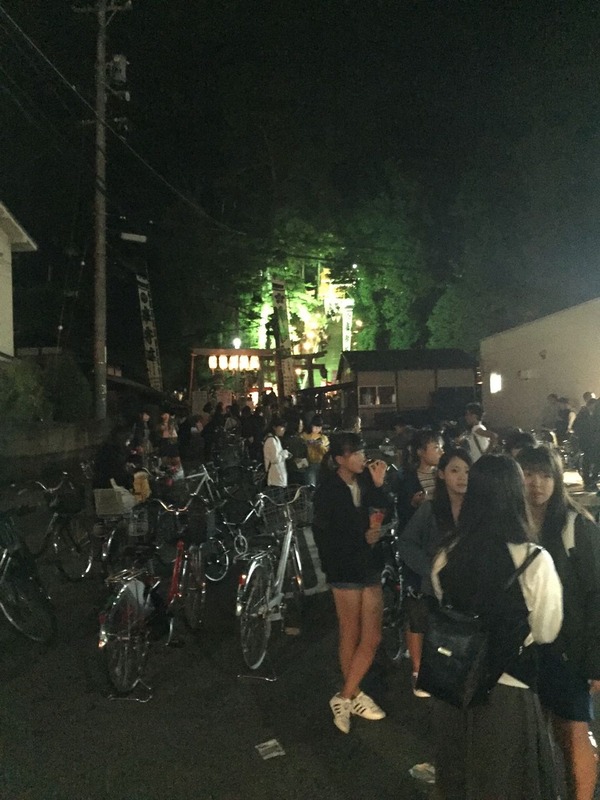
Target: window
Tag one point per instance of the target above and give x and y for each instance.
(377, 396)
(495, 382)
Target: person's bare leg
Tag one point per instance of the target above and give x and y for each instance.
(414, 644)
(371, 614)
(579, 755)
(347, 605)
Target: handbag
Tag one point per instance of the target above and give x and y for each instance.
(454, 664)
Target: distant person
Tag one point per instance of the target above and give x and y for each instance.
(141, 439)
(275, 456)
(550, 412)
(477, 439)
(516, 440)
(298, 464)
(168, 440)
(400, 441)
(584, 430)
(112, 459)
(418, 480)
(565, 419)
(317, 444)
(351, 421)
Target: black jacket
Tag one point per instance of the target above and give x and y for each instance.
(579, 572)
(339, 529)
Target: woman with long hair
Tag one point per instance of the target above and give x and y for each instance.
(570, 666)
(499, 750)
(346, 526)
(420, 540)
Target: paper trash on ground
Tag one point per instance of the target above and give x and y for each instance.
(269, 749)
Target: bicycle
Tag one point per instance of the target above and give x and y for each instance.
(135, 605)
(23, 600)
(392, 585)
(272, 587)
(69, 529)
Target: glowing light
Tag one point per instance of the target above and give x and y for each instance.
(237, 343)
(244, 362)
(234, 362)
(223, 362)
(359, 323)
(254, 363)
(495, 382)
(212, 362)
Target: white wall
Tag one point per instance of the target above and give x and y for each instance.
(6, 298)
(559, 353)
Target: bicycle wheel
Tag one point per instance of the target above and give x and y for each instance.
(124, 640)
(255, 623)
(392, 634)
(293, 587)
(27, 608)
(193, 588)
(73, 547)
(216, 560)
(114, 549)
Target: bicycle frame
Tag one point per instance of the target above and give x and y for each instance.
(265, 559)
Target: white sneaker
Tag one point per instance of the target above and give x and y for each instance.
(364, 706)
(423, 772)
(341, 708)
(418, 692)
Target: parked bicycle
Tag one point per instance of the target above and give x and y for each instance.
(136, 604)
(23, 599)
(70, 530)
(271, 588)
(392, 584)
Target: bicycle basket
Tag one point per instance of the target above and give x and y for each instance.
(275, 516)
(301, 508)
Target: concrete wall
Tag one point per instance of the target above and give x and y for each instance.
(40, 448)
(6, 296)
(559, 353)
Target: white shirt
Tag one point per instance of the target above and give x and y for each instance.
(477, 444)
(275, 457)
(542, 592)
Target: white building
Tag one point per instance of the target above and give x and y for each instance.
(12, 239)
(559, 353)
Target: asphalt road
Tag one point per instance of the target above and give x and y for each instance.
(62, 738)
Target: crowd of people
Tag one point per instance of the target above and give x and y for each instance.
(470, 511)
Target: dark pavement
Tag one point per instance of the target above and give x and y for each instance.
(62, 738)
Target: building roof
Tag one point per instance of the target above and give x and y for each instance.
(392, 360)
(19, 239)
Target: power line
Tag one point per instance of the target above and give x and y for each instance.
(187, 200)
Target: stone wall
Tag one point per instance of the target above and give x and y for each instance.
(41, 449)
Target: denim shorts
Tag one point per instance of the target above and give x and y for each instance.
(370, 580)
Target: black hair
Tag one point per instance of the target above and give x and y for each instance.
(316, 420)
(419, 441)
(517, 439)
(441, 507)
(546, 460)
(494, 505)
(474, 408)
(276, 422)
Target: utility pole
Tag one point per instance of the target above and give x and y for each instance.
(100, 216)
(101, 8)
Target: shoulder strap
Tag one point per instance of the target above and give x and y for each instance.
(533, 554)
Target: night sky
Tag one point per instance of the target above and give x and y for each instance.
(229, 97)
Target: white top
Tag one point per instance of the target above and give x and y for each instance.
(477, 445)
(542, 592)
(275, 457)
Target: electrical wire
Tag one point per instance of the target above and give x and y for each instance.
(187, 200)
